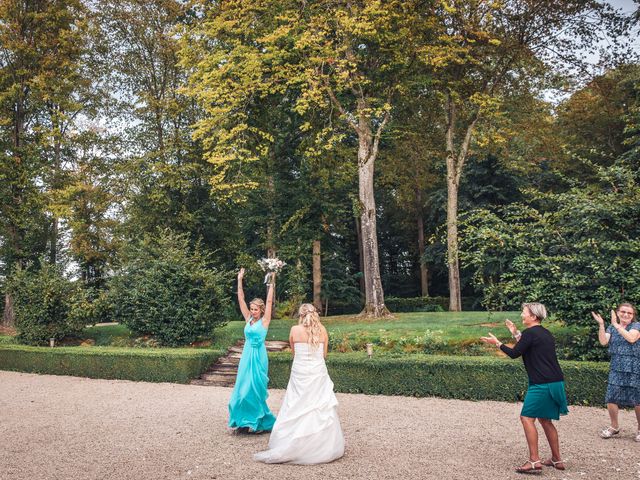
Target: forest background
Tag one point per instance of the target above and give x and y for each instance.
(473, 151)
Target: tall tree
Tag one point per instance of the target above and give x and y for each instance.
(39, 57)
(485, 50)
(348, 61)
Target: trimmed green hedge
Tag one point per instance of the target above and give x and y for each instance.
(467, 378)
(426, 304)
(149, 365)
(417, 304)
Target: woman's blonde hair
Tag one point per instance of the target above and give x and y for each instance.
(310, 320)
(258, 302)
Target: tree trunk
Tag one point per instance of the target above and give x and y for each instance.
(317, 276)
(455, 164)
(455, 299)
(8, 317)
(360, 256)
(15, 238)
(55, 184)
(424, 273)
(374, 296)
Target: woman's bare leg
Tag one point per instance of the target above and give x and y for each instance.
(531, 434)
(552, 437)
(613, 414)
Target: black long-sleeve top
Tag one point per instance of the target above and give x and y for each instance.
(538, 349)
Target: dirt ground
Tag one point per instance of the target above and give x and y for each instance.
(69, 428)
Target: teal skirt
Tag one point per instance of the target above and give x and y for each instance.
(545, 400)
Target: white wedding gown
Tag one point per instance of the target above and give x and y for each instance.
(307, 430)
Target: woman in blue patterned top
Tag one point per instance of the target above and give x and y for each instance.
(623, 388)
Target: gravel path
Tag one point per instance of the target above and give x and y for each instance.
(71, 428)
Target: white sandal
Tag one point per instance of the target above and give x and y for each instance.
(610, 432)
(553, 463)
(637, 439)
(536, 467)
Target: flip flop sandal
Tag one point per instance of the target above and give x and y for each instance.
(536, 467)
(550, 463)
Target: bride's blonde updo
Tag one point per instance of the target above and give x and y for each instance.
(310, 320)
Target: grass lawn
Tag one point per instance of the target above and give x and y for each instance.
(420, 332)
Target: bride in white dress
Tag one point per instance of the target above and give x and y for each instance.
(307, 430)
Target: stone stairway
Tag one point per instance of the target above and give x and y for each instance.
(223, 372)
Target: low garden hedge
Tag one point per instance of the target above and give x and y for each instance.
(467, 378)
(417, 304)
(149, 365)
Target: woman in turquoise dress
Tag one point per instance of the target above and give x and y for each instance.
(248, 405)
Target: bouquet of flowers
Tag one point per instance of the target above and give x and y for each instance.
(270, 265)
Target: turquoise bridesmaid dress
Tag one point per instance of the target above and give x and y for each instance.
(248, 404)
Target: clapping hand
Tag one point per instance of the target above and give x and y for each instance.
(614, 320)
(490, 338)
(598, 318)
(511, 326)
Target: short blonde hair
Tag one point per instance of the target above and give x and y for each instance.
(537, 309)
(258, 302)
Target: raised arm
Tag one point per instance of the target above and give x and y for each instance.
(266, 319)
(241, 301)
(515, 333)
(603, 337)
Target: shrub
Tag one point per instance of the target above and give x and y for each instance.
(474, 378)
(148, 365)
(575, 251)
(94, 306)
(44, 302)
(169, 290)
(417, 304)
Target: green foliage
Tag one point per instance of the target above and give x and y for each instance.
(145, 365)
(107, 335)
(417, 304)
(577, 251)
(166, 289)
(44, 303)
(477, 378)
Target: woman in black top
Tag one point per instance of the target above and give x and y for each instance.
(546, 399)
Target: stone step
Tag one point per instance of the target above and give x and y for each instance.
(231, 362)
(223, 373)
(223, 368)
(218, 377)
(206, 383)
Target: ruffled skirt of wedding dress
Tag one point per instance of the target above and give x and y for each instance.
(307, 429)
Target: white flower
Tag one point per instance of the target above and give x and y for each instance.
(271, 264)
